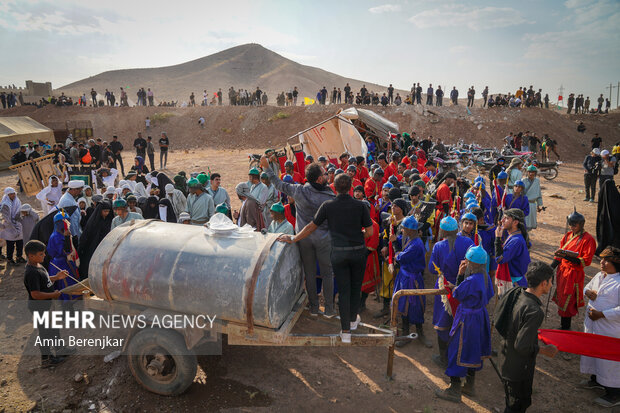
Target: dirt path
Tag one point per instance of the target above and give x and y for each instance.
(299, 379)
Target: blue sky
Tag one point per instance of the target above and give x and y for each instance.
(502, 44)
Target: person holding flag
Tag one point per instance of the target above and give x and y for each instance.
(63, 255)
(498, 198)
(511, 252)
(444, 262)
(410, 276)
(470, 335)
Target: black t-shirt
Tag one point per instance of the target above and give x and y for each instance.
(140, 145)
(596, 142)
(163, 141)
(37, 279)
(345, 219)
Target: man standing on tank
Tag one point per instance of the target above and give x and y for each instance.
(317, 247)
(349, 224)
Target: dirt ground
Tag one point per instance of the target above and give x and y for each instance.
(300, 379)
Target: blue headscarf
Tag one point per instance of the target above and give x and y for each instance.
(140, 163)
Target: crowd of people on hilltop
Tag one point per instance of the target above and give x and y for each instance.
(523, 97)
(581, 105)
(365, 225)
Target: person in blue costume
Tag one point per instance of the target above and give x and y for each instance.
(497, 196)
(447, 255)
(486, 238)
(468, 226)
(511, 252)
(410, 276)
(470, 336)
(517, 199)
(60, 248)
(484, 200)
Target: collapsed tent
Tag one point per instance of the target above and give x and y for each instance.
(341, 133)
(19, 130)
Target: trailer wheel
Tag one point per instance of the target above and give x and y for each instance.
(160, 361)
(550, 174)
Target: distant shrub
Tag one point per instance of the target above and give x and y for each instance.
(226, 130)
(162, 117)
(279, 115)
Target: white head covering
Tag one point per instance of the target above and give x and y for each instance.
(82, 199)
(75, 184)
(14, 205)
(184, 216)
(50, 194)
(169, 188)
(26, 208)
(604, 152)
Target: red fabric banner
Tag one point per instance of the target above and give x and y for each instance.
(585, 344)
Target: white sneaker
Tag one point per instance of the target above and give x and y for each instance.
(345, 337)
(355, 323)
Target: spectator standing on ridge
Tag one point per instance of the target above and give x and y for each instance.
(470, 97)
(429, 95)
(93, 94)
(485, 95)
(454, 96)
(391, 94)
(439, 95)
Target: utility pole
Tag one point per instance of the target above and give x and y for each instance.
(611, 88)
(561, 94)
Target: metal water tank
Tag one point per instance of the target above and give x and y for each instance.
(182, 268)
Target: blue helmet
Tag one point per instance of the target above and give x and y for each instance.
(448, 224)
(388, 185)
(469, 195)
(479, 185)
(479, 179)
(477, 255)
(502, 175)
(59, 217)
(288, 179)
(469, 216)
(520, 183)
(410, 222)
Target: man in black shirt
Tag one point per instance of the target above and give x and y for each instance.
(41, 291)
(164, 142)
(519, 315)
(116, 147)
(596, 141)
(140, 144)
(345, 217)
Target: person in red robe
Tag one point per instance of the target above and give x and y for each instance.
(570, 268)
(372, 187)
(289, 167)
(381, 160)
(392, 168)
(444, 198)
(352, 171)
(421, 161)
(371, 274)
(362, 171)
(344, 161)
(290, 212)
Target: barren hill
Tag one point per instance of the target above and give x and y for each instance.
(245, 67)
(250, 128)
